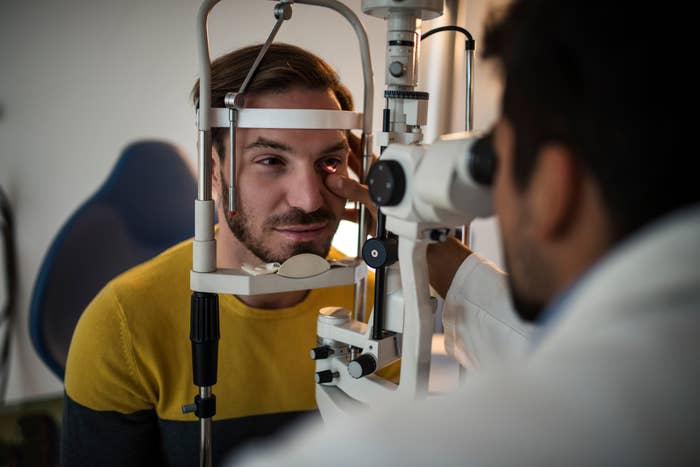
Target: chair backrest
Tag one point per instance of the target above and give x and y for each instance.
(145, 206)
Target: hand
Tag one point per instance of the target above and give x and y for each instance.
(352, 190)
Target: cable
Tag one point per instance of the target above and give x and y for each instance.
(468, 44)
(448, 28)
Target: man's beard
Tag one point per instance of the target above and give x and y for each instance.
(239, 224)
(528, 309)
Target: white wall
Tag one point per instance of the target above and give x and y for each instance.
(80, 79)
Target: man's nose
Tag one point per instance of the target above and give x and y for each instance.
(305, 190)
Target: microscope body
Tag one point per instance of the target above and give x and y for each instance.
(426, 192)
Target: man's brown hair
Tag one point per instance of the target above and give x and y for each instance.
(283, 67)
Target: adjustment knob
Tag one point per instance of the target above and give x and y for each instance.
(379, 253)
(397, 69)
(363, 365)
(319, 353)
(387, 182)
(325, 376)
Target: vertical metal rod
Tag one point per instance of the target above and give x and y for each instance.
(205, 447)
(379, 284)
(360, 300)
(233, 125)
(363, 229)
(203, 116)
(469, 107)
(469, 117)
(204, 166)
(380, 273)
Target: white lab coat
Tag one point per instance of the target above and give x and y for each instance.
(481, 328)
(615, 380)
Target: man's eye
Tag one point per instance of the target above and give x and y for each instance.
(330, 165)
(270, 161)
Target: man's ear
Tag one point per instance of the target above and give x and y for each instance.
(554, 190)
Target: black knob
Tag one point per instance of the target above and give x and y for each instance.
(363, 365)
(319, 353)
(325, 376)
(387, 183)
(378, 253)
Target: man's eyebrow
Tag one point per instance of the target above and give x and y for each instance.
(339, 146)
(269, 144)
(265, 143)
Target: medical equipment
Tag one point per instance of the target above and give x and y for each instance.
(206, 279)
(419, 211)
(413, 207)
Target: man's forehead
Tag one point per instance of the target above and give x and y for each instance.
(294, 98)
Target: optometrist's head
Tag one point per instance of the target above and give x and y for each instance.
(584, 151)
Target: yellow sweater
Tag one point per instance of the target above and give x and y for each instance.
(130, 363)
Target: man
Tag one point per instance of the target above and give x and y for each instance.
(601, 232)
(129, 366)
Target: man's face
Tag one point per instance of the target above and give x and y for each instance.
(523, 261)
(284, 207)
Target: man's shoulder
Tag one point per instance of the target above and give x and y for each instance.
(174, 260)
(168, 271)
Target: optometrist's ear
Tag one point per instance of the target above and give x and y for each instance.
(554, 191)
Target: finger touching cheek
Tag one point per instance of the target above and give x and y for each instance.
(336, 184)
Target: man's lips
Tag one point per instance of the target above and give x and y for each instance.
(302, 232)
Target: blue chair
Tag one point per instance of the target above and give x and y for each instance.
(145, 206)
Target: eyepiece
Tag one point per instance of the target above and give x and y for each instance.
(482, 164)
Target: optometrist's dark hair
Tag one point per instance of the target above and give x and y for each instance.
(283, 67)
(590, 75)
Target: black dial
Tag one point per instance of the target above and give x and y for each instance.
(386, 182)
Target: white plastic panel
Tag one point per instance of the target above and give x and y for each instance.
(238, 282)
(289, 118)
